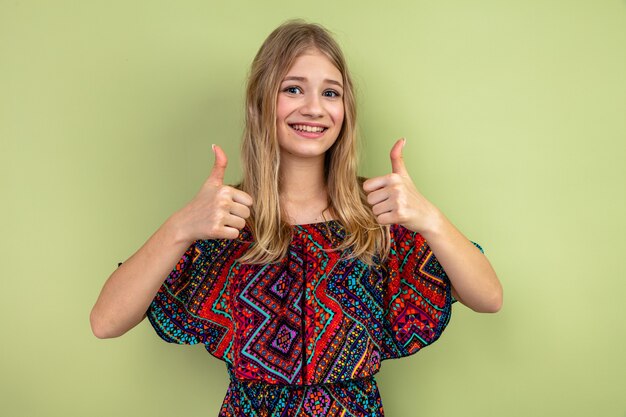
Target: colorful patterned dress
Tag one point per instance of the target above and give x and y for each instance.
(304, 336)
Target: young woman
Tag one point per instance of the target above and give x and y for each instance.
(304, 277)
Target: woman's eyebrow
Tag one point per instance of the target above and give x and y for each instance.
(303, 79)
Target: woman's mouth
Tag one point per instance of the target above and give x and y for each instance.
(308, 131)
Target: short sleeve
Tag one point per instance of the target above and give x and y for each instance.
(192, 305)
(418, 299)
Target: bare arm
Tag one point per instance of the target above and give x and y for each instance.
(217, 211)
(474, 281)
(395, 200)
(127, 293)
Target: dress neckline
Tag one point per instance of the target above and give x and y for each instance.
(305, 225)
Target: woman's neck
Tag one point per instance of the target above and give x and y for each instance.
(303, 191)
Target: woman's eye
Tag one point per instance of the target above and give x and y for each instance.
(293, 90)
(331, 93)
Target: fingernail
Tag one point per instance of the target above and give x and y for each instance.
(403, 142)
(213, 147)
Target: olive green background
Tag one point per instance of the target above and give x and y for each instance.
(515, 114)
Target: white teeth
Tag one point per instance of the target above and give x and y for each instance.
(312, 129)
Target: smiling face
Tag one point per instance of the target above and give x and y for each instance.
(309, 108)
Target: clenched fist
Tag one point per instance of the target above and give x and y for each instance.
(218, 211)
(395, 200)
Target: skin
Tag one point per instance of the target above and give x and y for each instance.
(310, 95)
(395, 200)
(218, 211)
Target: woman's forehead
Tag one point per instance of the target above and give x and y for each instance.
(314, 64)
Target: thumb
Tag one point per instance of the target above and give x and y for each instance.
(397, 163)
(219, 166)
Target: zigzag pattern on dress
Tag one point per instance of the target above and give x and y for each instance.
(311, 324)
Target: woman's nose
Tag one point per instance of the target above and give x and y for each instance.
(312, 107)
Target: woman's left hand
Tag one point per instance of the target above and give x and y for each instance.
(395, 200)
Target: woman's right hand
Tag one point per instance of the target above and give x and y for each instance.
(218, 211)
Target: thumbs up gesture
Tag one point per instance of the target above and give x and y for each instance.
(218, 211)
(395, 200)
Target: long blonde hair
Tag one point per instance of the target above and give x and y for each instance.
(260, 152)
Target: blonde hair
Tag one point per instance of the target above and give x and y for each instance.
(260, 152)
